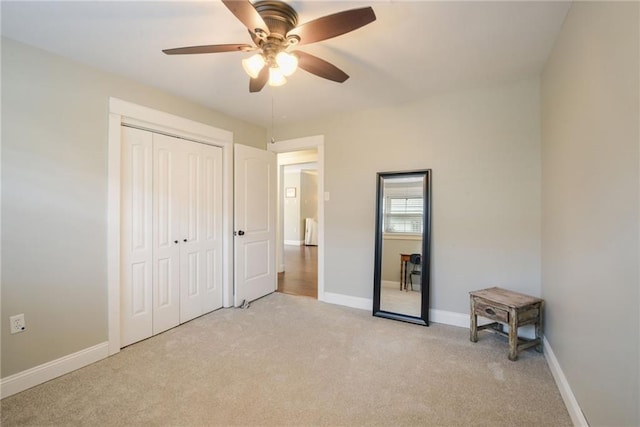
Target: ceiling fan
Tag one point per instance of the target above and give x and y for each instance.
(273, 26)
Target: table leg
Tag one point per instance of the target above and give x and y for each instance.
(539, 347)
(513, 335)
(401, 271)
(405, 275)
(473, 330)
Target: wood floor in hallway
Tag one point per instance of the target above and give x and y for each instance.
(301, 271)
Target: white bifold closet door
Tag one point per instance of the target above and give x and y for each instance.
(171, 232)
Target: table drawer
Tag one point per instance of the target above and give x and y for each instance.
(491, 312)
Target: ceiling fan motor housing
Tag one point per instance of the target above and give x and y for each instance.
(279, 17)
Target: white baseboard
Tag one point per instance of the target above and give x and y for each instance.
(570, 401)
(40, 374)
(347, 300)
(449, 318)
(294, 242)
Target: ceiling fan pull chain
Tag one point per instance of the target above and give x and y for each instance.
(273, 139)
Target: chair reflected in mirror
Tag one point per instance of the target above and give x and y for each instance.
(416, 261)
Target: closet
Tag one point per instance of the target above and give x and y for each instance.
(171, 232)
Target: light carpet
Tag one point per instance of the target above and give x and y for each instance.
(290, 360)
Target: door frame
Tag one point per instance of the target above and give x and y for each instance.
(126, 113)
(299, 144)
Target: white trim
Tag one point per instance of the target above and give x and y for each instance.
(401, 236)
(42, 373)
(450, 318)
(462, 320)
(348, 301)
(444, 317)
(570, 401)
(113, 233)
(294, 242)
(308, 143)
(123, 112)
(158, 120)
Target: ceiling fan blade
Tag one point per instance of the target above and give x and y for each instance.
(333, 25)
(214, 48)
(247, 14)
(256, 85)
(320, 67)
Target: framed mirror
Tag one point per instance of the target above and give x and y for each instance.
(402, 246)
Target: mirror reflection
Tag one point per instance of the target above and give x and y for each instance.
(401, 245)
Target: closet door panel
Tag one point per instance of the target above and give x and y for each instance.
(166, 234)
(171, 232)
(212, 228)
(189, 250)
(136, 308)
(202, 225)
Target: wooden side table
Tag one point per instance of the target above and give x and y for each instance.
(507, 308)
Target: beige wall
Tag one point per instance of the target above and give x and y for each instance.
(304, 205)
(484, 148)
(308, 196)
(292, 229)
(590, 198)
(54, 197)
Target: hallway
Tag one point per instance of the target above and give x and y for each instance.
(301, 271)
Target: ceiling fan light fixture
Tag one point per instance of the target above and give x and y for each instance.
(273, 27)
(276, 77)
(253, 65)
(287, 62)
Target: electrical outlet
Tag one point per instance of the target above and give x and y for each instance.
(16, 323)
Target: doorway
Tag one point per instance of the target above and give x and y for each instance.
(300, 255)
(299, 270)
(300, 276)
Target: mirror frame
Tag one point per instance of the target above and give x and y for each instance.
(423, 319)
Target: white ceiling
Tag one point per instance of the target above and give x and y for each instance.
(414, 49)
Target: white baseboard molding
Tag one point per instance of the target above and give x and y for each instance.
(570, 401)
(449, 318)
(453, 318)
(40, 374)
(462, 320)
(294, 242)
(347, 300)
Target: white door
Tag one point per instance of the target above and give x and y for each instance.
(201, 238)
(171, 232)
(136, 305)
(166, 232)
(254, 223)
